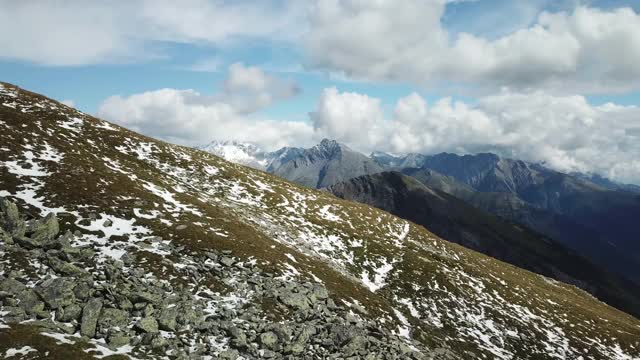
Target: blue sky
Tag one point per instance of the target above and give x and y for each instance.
(372, 74)
(89, 85)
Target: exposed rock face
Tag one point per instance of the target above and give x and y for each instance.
(323, 165)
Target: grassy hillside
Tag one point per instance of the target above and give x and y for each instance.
(437, 296)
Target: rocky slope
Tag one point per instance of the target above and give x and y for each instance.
(455, 220)
(595, 220)
(244, 258)
(323, 165)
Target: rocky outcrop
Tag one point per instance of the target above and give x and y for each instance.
(117, 305)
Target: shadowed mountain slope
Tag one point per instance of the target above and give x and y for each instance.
(455, 220)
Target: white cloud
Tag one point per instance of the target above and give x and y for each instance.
(211, 64)
(350, 117)
(188, 117)
(566, 132)
(587, 50)
(77, 32)
(249, 89)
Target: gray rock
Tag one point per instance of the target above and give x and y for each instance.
(229, 355)
(238, 338)
(83, 291)
(69, 313)
(146, 297)
(269, 339)
(342, 334)
(167, 319)
(147, 325)
(297, 348)
(10, 219)
(227, 261)
(118, 339)
(56, 292)
(5, 237)
(26, 242)
(158, 343)
(112, 318)
(107, 223)
(294, 300)
(12, 286)
(46, 229)
(90, 315)
(64, 268)
(319, 292)
(30, 302)
(181, 227)
(355, 345)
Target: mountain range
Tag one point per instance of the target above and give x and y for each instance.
(594, 221)
(116, 244)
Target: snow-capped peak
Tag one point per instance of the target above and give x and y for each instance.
(239, 152)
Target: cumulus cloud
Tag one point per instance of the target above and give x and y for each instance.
(350, 117)
(565, 132)
(586, 50)
(77, 32)
(249, 89)
(190, 118)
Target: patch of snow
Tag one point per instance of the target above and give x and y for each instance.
(327, 215)
(379, 276)
(168, 197)
(404, 330)
(74, 124)
(60, 338)
(22, 351)
(153, 214)
(105, 125)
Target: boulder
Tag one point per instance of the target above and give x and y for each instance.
(90, 316)
(111, 319)
(69, 313)
(26, 242)
(46, 229)
(29, 301)
(269, 339)
(294, 300)
(167, 319)
(341, 334)
(229, 355)
(64, 268)
(147, 325)
(319, 292)
(83, 291)
(238, 337)
(227, 261)
(12, 286)
(56, 292)
(10, 219)
(118, 339)
(146, 297)
(5, 237)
